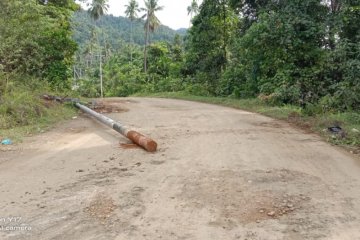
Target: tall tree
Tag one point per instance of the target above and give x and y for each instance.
(208, 41)
(151, 23)
(193, 9)
(35, 40)
(131, 12)
(97, 9)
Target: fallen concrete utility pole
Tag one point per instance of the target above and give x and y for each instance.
(147, 143)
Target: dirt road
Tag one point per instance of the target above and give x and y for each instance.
(220, 173)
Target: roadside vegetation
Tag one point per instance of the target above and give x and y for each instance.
(23, 112)
(36, 52)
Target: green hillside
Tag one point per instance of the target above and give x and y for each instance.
(114, 29)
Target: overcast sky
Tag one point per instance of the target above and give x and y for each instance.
(174, 14)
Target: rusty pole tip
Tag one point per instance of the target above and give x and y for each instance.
(147, 143)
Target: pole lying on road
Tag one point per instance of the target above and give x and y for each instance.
(147, 143)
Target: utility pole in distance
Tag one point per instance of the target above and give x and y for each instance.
(101, 77)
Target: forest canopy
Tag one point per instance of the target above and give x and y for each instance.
(297, 52)
(35, 40)
(287, 51)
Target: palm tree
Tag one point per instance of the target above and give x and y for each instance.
(131, 12)
(151, 23)
(193, 9)
(97, 9)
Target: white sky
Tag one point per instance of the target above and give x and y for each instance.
(173, 15)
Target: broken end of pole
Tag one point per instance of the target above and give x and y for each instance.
(147, 143)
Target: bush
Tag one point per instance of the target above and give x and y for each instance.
(197, 89)
(19, 108)
(20, 103)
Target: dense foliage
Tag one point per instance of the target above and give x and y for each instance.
(35, 40)
(287, 51)
(116, 29)
(298, 52)
(36, 57)
(114, 51)
(305, 53)
(124, 75)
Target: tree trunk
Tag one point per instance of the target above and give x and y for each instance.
(100, 66)
(101, 77)
(131, 41)
(146, 43)
(224, 35)
(191, 16)
(335, 6)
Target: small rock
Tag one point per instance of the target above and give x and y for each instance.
(257, 221)
(80, 170)
(354, 130)
(112, 158)
(271, 214)
(261, 211)
(290, 206)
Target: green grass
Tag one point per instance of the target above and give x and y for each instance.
(349, 121)
(39, 125)
(23, 113)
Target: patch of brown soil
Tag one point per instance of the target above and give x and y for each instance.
(49, 104)
(297, 121)
(243, 197)
(101, 207)
(107, 107)
(269, 124)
